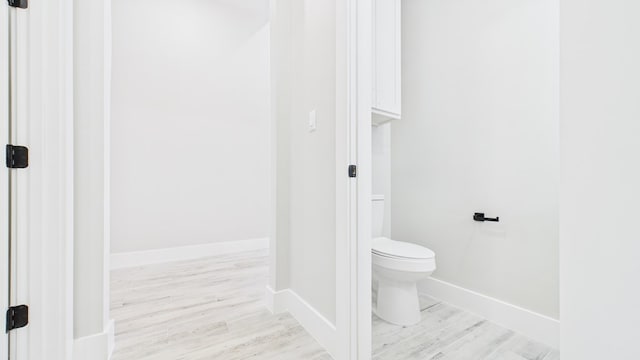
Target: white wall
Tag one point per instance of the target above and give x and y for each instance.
(281, 96)
(313, 156)
(600, 132)
(480, 133)
(190, 131)
(306, 172)
(91, 167)
(381, 170)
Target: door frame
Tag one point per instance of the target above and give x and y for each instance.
(50, 185)
(51, 182)
(353, 196)
(4, 183)
(45, 188)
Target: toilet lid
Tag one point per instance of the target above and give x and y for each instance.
(387, 247)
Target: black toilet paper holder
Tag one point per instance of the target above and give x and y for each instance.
(481, 217)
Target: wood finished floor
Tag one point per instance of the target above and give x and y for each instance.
(204, 309)
(213, 308)
(448, 333)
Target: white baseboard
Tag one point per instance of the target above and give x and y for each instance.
(140, 258)
(538, 327)
(111, 339)
(315, 323)
(95, 347)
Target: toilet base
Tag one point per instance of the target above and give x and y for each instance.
(398, 302)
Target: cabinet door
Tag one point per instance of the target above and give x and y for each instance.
(387, 56)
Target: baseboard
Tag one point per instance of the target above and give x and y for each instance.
(315, 323)
(95, 347)
(538, 327)
(111, 339)
(270, 300)
(140, 258)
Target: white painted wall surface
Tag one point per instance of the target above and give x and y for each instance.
(92, 77)
(480, 133)
(306, 170)
(313, 155)
(281, 57)
(600, 132)
(381, 168)
(190, 133)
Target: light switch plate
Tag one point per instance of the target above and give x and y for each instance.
(312, 121)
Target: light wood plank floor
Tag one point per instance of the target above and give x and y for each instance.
(213, 308)
(209, 308)
(448, 333)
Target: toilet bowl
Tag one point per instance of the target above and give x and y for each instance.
(397, 268)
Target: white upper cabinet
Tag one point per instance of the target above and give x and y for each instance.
(387, 61)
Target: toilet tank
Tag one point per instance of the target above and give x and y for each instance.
(377, 215)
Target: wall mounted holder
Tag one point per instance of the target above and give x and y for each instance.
(482, 218)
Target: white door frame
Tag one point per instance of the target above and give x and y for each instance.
(353, 196)
(19, 178)
(363, 79)
(44, 197)
(4, 173)
(49, 212)
(49, 134)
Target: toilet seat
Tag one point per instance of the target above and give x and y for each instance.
(403, 264)
(400, 250)
(402, 256)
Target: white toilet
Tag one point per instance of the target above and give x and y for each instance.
(397, 268)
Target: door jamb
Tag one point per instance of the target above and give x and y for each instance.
(47, 226)
(353, 196)
(4, 184)
(363, 94)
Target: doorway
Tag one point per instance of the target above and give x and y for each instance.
(190, 211)
(451, 148)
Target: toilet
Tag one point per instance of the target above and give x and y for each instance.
(397, 268)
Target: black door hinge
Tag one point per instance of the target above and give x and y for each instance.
(17, 317)
(353, 171)
(22, 4)
(17, 157)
